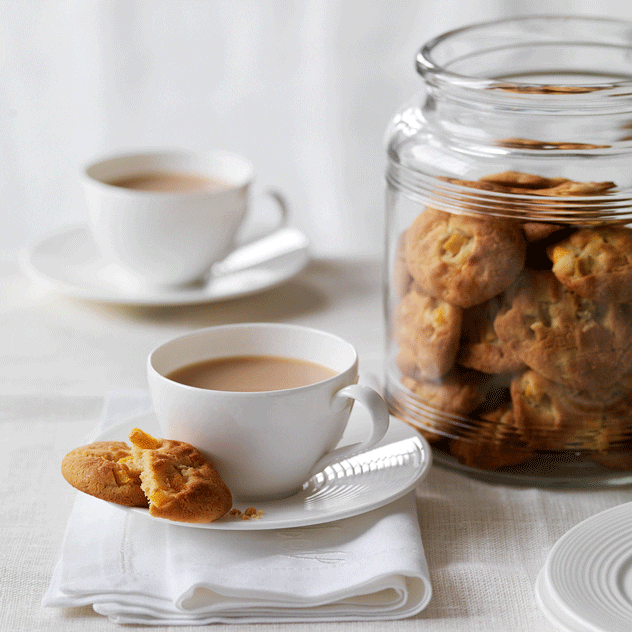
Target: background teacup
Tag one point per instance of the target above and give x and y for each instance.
(167, 216)
(265, 444)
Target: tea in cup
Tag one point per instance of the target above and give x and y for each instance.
(166, 216)
(266, 403)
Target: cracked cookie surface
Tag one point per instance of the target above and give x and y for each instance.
(95, 470)
(179, 482)
(580, 343)
(462, 259)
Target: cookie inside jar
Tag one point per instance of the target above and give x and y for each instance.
(510, 329)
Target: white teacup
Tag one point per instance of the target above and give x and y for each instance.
(166, 216)
(264, 444)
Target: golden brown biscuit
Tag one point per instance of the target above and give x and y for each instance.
(493, 443)
(552, 417)
(95, 470)
(428, 331)
(525, 185)
(462, 259)
(575, 189)
(517, 180)
(179, 482)
(529, 143)
(481, 349)
(582, 344)
(456, 394)
(596, 263)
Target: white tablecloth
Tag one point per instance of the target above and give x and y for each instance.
(484, 543)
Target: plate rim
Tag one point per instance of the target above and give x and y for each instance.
(556, 594)
(549, 608)
(191, 296)
(308, 519)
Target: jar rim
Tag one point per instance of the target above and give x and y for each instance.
(437, 59)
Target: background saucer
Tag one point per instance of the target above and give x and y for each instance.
(586, 582)
(348, 488)
(69, 262)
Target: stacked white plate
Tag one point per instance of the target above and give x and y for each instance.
(586, 582)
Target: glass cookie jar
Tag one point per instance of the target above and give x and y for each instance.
(509, 252)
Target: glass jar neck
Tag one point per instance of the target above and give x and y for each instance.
(534, 83)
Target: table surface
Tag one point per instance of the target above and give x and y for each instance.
(484, 543)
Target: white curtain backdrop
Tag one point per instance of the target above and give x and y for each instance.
(304, 88)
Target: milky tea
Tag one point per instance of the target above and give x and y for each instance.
(251, 373)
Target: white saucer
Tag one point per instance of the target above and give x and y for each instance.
(586, 582)
(348, 488)
(69, 262)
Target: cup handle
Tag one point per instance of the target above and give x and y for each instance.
(282, 220)
(376, 406)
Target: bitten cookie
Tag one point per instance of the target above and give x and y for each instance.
(596, 263)
(552, 417)
(582, 344)
(462, 259)
(493, 443)
(428, 331)
(178, 480)
(95, 469)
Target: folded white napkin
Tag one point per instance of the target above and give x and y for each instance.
(138, 570)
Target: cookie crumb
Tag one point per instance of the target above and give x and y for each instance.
(249, 513)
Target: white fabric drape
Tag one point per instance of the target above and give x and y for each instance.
(304, 88)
